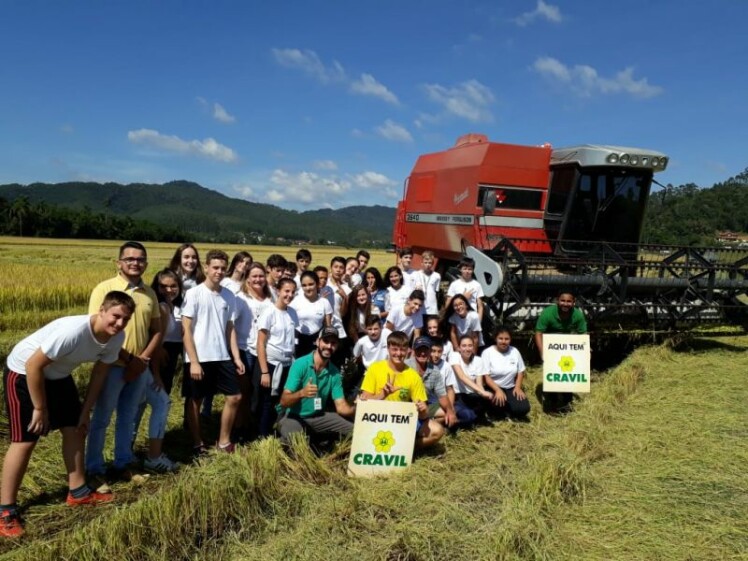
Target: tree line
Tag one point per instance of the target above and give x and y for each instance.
(688, 215)
(40, 219)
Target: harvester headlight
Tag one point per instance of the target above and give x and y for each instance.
(655, 161)
(645, 160)
(634, 160)
(612, 159)
(663, 162)
(624, 158)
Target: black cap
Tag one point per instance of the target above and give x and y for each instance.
(327, 332)
(422, 342)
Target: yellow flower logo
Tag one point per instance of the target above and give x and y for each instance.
(566, 364)
(383, 441)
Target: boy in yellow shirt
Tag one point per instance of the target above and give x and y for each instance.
(393, 380)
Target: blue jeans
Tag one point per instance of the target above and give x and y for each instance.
(125, 398)
(160, 404)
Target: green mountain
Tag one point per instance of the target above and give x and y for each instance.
(207, 215)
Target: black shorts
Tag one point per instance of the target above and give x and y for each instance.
(218, 377)
(63, 405)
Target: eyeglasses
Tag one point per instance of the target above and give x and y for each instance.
(133, 260)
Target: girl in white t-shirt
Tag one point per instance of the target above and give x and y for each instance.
(251, 301)
(313, 312)
(434, 330)
(359, 308)
(168, 288)
(461, 320)
(186, 263)
(237, 270)
(506, 371)
(276, 338)
(470, 373)
(397, 292)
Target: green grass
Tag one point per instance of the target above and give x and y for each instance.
(651, 465)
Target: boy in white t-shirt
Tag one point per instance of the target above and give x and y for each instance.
(40, 395)
(212, 359)
(430, 282)
(373, 346)
(467, 286)
(410, 275)
(408, 318)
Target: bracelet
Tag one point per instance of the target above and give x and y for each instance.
(265, 373)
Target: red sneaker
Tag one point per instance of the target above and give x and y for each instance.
(228, 448)
(93, 498)
(11, 525)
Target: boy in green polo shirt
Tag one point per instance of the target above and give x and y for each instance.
(313, 381)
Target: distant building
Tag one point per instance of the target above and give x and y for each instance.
(728, 237)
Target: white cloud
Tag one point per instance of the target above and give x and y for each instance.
(305, 187)
(67, 128)
(585, 81)
(244, 190)
(542, 11)
(308, 61)
(327, 165)
(368, 85)
(372, 179)
(221, 115)
(208, 148)
(357, 133)
(393, 131)
(469, 100)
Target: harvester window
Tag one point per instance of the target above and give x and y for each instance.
(517, 198)
(561, 186)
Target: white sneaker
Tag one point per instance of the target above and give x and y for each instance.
(162, 464)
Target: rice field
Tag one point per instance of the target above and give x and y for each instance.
(44, 278)
(650, 465)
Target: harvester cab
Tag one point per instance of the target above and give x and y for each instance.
(537, 219)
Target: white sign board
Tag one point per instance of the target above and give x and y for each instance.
(566, 363)
(384, 435)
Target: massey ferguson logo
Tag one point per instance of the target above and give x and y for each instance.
(458, 198)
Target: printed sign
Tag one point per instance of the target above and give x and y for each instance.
(384, 435)
(566, 363)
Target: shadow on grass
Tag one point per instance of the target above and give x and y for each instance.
(691, 344)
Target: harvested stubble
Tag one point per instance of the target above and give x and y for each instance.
(551, 489)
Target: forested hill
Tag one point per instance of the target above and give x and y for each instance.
(205, 215)
(689, 215)
(182, 210)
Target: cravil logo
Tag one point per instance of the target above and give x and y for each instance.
(383, 443)
(459, 197)
(566, 364)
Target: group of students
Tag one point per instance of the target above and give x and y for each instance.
(273, 340)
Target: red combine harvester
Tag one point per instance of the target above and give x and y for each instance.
(538, 219)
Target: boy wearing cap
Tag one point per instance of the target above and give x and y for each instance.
(394, 380)
(440, 408)
(313, 382)
(40, 394)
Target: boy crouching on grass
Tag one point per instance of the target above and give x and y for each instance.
(393, 380)
(40, 394)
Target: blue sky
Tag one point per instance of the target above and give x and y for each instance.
(328, 104)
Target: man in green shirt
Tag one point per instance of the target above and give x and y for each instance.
(561, 317)
(313, 382)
